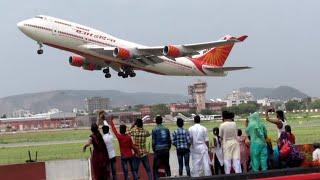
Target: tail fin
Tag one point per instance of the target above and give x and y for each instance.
(217, 56)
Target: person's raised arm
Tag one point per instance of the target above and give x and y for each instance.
(114, 129)
(274, 121)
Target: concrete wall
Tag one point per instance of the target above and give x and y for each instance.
(67, 169)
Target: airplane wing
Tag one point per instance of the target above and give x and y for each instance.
(223, 69)
(99, 49)
(145, 58)
(191, 49)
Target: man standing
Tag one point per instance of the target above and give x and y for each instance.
(139, 136)
(199, 148)
(161, 144)
(228, 131)
(126, 148)
(181, 139)
(108, 140)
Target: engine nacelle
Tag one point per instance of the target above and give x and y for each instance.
(177, 51)
(77, 61)
(123, 53)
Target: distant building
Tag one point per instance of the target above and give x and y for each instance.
(21, 113)
(145, 110)
(125, 117)
(197, 93)
(216, 106)
(48, 120)
(93, 104)
(180, 108)
(238, 97)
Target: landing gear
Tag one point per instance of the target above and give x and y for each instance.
(40, 50)
(106, 71)
(127, 71)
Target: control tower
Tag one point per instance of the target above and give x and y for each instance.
(197, 93)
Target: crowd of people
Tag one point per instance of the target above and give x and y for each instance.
(232, 150)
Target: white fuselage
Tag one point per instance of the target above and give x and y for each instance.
(73, 37)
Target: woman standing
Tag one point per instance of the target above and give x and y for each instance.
(258, 146)
(100, 157)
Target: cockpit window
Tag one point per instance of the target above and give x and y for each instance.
(40, 17)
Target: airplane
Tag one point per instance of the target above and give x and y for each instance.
(96, 50)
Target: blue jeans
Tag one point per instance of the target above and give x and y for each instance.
(183, 154)
(146, 165)
(124, 164)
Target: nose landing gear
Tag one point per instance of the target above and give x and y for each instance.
(40, 50)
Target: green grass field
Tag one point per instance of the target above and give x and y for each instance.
(306, 129)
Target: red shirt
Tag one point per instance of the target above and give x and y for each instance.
(125, 142)
(291, 138)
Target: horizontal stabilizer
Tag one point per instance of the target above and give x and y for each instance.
(222, 69)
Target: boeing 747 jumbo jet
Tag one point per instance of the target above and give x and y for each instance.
(96, 50)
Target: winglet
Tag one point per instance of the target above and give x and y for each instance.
(242, 38)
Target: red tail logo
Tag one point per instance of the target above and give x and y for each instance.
(217, 56)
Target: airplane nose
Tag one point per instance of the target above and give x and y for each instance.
(20, 25)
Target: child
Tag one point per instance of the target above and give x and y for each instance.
(244, 151)
(316, 153)
(217, 159)
(291, 137)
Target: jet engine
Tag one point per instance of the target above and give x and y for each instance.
(77, 61)
(175, 51)
(123, 53)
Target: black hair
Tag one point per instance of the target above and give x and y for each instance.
(287, 128)
(159, 119)
(215, 131)
(139, 123)
(227, 115)
(94, 128)
(123, 129)
(196, 119)
(239, 132)
(280, 115)
(180, 122)
(316, 145)
(105, 129)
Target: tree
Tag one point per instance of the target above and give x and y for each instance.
(294, 105)
(159, 109)
(244, 108)
(315, 104)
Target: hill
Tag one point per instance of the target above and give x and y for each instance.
(281, 92)
(66, 100)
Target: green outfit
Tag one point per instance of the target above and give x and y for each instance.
(258, 146)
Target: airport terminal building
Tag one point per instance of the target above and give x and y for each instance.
(50, 120)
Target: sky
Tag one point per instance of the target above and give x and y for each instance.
(282, 46)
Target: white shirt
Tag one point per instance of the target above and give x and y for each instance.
(284, 123)
(199, 137)
(316, 155)
(228, 131)
(108, 140)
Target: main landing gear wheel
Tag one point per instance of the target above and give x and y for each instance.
(108, 75)
(132, 74)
